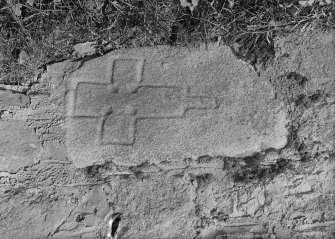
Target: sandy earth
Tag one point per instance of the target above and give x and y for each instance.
(172, 142)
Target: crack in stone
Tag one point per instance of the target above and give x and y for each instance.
(56, 230)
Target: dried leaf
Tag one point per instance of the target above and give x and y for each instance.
(195, 3)
(57, 2)
(191, 5)
(322, 3)
(184, 3)
(303, 3)
(231, 3)
(17, 9)
(30, 2)
(310, 2)
(23, 58)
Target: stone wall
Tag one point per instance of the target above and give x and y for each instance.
(173, 142)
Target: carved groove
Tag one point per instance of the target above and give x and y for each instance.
(124, 101)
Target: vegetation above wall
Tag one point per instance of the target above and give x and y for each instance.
(37, 32)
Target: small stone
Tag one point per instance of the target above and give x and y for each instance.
(91, 220)
(68, 226)
(84, 49)
(23, 58)
(73, 200)
(79, 217)
(302, 189)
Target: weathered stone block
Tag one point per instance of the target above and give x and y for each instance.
(165, 103)
(8, 98)
(18, 146)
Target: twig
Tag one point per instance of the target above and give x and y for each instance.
(17, 20)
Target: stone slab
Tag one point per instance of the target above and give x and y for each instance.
(18, 146)
(8, 98)
(167, 103)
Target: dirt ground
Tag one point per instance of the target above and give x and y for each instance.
(274, 193)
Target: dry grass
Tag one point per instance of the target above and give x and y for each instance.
(47, 29)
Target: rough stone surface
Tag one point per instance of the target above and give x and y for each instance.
(155, 104)
(18, 146)
(274, 191)
(7, 99)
